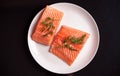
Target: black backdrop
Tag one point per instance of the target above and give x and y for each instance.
(15, 19)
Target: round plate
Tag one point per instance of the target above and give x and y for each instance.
(76, 17)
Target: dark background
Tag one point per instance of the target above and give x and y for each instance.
(15, 19)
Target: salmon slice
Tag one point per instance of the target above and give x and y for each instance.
(68, 43)
(47, 25)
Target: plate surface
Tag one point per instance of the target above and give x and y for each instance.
(76, 17)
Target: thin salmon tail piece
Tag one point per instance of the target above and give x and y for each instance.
(68, 43)
(47, 25)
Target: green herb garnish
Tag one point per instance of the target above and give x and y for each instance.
(75, 40)
(44, 23)
(65, 41)
(42, 29)
(48, 25)
(83, 36)
(69, 37)
(80, 40)
(51, 32)
(46, 35)
(72, 40)
(47, 19)
(66, 45)
(69, 47)
(60, 47)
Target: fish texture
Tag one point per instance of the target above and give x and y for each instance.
(68, 43)
(47, 25)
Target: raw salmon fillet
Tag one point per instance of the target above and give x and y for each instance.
(68, 43)
(47, 25)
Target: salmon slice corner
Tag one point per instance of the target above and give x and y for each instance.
(60, 48)
(42, 33)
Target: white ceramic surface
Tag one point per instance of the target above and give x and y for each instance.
(76, 17)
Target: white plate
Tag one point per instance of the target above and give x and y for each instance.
(76, 17)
